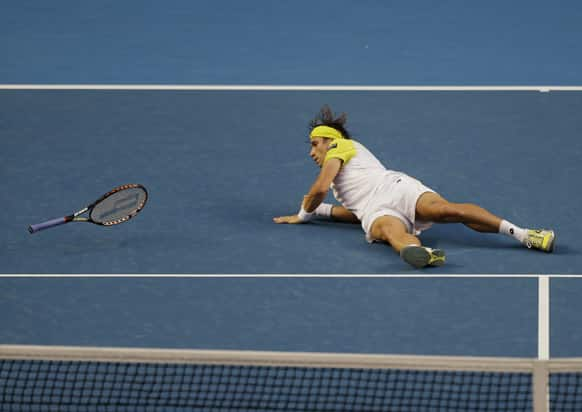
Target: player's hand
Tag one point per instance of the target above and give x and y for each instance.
(287, 219)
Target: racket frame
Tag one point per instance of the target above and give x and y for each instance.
(105, 196)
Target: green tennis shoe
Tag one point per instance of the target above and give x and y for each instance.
(420, 256)
(540, 239)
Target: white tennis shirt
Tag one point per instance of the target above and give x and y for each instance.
(360, 176)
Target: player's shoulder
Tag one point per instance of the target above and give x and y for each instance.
(341, 145)
(343, 149)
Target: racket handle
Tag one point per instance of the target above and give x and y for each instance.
(45, 225)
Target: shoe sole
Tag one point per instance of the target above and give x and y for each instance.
(552, 243)
(420, 257)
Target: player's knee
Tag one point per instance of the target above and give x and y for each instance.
(388, 230)
(456, 212)
(450, 212)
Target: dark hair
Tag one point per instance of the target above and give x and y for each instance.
(325, 117)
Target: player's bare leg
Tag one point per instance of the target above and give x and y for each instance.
(434, 208)
(393, 231)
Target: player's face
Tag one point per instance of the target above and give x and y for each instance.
(319, 147)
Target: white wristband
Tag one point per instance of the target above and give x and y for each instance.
(304, 216)
(324, 210)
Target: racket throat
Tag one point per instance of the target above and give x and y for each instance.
(75, 217)
(80, 212)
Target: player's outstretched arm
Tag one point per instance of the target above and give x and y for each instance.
(317, 193)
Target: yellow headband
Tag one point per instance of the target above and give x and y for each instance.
(325, 131)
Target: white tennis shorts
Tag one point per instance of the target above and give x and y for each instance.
(396, 196)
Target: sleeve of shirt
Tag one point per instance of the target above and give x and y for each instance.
(343, 149)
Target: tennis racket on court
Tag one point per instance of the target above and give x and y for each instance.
(114, 207)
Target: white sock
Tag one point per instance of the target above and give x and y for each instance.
(509, 229)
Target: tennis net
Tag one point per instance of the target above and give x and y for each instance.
(41, 378)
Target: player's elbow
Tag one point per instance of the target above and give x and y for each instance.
(319, 190)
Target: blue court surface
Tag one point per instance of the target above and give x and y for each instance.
(452, 316)
(522, 42)
(495, 317)
(219, 165)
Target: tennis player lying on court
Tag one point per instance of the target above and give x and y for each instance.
(391, 206)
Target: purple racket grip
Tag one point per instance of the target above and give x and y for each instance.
(47, 224)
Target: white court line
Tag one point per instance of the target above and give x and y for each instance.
(250, 87)
(541, 374)
(289, 276)
(544, 318)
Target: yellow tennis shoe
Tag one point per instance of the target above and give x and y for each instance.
(541, 239)
(420, 256)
